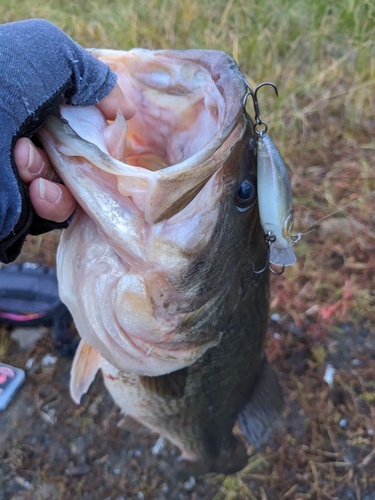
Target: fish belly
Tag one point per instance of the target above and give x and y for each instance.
(196, 408)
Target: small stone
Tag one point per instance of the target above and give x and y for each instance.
(27, 337)
(343, 423)
(158, 446)
(49, 360)
(275, 317)
(189, 485)
(329, 375)
(356, 362)
(277, 336)
(22, 482)
(49, 417)
(29, 363)
(140, 495)
(312, 310)
(370, 432)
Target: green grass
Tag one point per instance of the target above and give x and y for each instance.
(320, 54)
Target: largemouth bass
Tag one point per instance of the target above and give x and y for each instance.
(157, 265)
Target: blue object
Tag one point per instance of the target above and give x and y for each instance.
(11, 379)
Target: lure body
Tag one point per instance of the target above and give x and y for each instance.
(275, 201)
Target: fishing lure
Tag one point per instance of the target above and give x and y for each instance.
(274, 195)
(275, 202)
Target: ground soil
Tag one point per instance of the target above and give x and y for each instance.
(51, 449)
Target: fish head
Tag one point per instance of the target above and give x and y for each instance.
(155, 260)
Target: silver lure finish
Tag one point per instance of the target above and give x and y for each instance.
(275, 201)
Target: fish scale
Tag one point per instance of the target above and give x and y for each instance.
(219, 385)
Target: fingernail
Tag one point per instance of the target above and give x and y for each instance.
(50, 191)
(33, 167)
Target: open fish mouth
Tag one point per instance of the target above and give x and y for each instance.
(152, 192)
(178, 135)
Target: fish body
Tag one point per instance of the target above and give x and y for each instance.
(157, 265)
(275, 201)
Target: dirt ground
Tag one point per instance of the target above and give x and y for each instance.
(322, 313)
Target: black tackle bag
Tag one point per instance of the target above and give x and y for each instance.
(29, 296)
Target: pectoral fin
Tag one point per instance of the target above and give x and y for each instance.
(85, 365)
(170, 385)
(263, 412)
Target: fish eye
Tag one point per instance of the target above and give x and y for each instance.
(246, 194)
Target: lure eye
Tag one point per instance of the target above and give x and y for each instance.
(246, 194)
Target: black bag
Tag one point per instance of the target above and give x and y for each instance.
(29, 296)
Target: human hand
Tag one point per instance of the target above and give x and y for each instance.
(51, 200)
(41, 69)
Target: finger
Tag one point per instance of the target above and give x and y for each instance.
(50, 200)
(116, 100)
(32, 162)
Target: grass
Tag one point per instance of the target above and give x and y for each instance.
(236, 487)
(321, 55)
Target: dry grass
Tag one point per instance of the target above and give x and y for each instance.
(320, 55)
(4, 342)
(322, 58)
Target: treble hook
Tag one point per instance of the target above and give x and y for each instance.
(269, 238)
(253, 93)
(258, 121)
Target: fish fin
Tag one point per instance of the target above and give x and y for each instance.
(170, 385)
(228, 462)
(85, 365)
(282, 256)
(262, 413)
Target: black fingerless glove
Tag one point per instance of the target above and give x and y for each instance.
(40, 68)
